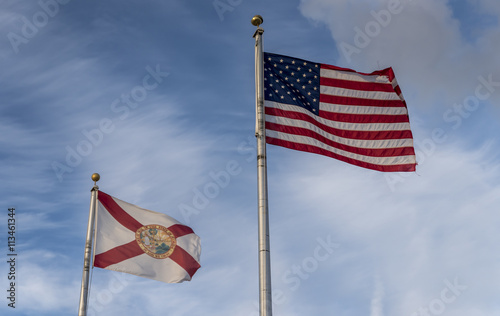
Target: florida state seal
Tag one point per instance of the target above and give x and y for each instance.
(155, 240)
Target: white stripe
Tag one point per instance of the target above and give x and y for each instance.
(384, 161)
(394, 85)
(352, 76)
(165, 270)
(144, 216)
(192, 244)
(361, 94)
(368, 127)
(109, 232)
(353, 109)
(360, 143)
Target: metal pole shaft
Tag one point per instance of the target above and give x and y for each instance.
(265, 297)
(82, 311)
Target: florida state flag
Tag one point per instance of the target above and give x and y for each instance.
(152, 245)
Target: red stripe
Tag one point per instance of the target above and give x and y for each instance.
(356, 85)
(118, 213)
(317, 150)
(185, 260)
(117, 254)
(379, 152)
(180, 230)
(398, 91)
(366, 135)
(333, 99)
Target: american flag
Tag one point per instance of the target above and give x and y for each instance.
(358, 118)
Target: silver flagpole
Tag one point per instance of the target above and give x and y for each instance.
(264, 254)
(82, 311)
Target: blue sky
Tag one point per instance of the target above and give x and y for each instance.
(158, 97)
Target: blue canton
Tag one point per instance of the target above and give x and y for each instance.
(291, 81)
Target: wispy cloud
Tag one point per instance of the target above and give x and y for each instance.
(377, 305)
(421, 40)
(398, 249)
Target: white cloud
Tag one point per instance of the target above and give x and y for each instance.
(421, 40)
(435, 226)
(42, 286)
(377, 306)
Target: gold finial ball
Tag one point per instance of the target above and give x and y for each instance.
(96, 177)
(257, 20)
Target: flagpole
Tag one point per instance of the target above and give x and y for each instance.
(82, 311)
(265, 297)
